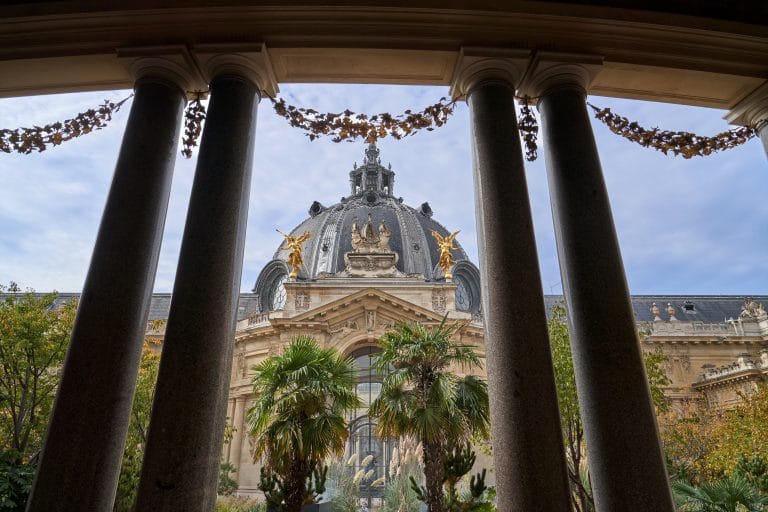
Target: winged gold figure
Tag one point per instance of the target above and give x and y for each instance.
(446, 246)
(293, 244)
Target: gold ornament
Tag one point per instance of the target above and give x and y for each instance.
(446, 246)
(293, 243)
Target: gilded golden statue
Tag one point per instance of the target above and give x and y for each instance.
(293, 244)
(446, 246)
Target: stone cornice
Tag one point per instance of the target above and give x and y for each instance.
(477, 65)
(730, 339)
(549, 70)
(728, 379)
(752, 110)
(47, 48)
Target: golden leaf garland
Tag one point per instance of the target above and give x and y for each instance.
(529, 129)
(194, 115)
(39, 138)
(348, 125)
(679, 143)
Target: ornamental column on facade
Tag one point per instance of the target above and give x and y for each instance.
(239, 432)
(80, 461)
(529, 459)
(625, 458)
(753, 111)
(186, 432)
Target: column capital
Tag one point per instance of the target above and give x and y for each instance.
(550, 70)
(752, 110)
(170, 63)
(475, 65)
(247, 60)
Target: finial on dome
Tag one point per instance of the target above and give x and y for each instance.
(372, 154)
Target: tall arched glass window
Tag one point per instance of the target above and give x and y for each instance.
(372, 454)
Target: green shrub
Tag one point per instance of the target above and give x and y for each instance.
(239, 504)
(15, 484)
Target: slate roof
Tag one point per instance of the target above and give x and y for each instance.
(688, 308)
(702, 308)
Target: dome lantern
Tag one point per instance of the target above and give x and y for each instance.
(371, 178)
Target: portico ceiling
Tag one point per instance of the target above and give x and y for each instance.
(713, 60)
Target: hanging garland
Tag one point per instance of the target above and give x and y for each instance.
(194, 115)
(39, 138)
(348, 126)
(529, 129)
(679, 143)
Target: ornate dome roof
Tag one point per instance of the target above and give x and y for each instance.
(330, 228)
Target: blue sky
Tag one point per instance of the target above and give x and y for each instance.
(694, 226)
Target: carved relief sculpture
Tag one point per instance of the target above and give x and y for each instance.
(302, 301)
(438, 301)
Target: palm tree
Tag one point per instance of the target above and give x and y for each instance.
(729, 494)
(298, 419)
(421, 397)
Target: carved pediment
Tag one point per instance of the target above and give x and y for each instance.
(352, 311)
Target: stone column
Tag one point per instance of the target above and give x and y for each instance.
(83, 448)
(625, 458)
(226, 449)
(236, 445)
(753, 111)
(531, 473)
(181, 463)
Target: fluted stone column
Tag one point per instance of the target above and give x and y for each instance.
(181, 463)
(83, 448)
(624, 453)
(529, 460)
(753, 111)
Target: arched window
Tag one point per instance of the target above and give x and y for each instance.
(372, 454)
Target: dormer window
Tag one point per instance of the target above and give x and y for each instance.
(689, 307)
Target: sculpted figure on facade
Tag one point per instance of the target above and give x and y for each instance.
(293, 244)
(446, 246)
(752, 309)
(368, 240)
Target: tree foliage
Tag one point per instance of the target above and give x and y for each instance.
(15, 485)
(34, 335)
(573, 428)
(739, 432)
(703, 444)
(423, 398)
(298, 419)
(728, 494)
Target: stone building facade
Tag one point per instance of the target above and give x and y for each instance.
(370, 261)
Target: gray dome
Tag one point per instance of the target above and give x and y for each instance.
(330, 228)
